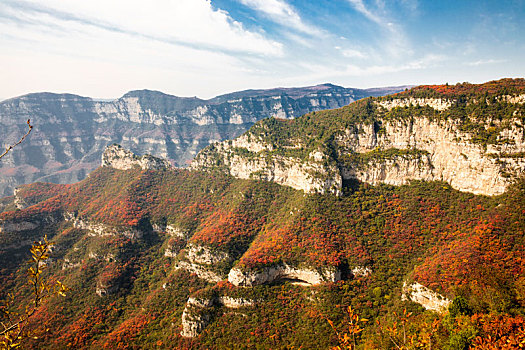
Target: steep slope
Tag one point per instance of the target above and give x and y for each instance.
(164, 257)
(471, 136)
(72, 131)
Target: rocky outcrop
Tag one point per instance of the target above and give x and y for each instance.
(424, 296)
(200, 271)
(198, 254)
(196, 316)
(68, 264)
(201, 260)
(361, 271)
(199, 312)
(98, 229)
(249, 278)
(311, 176)
(102, 290)
(436, 103)
(396, 170)
(20, 203)
(117, 157)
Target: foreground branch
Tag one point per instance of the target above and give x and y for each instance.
(10, 147)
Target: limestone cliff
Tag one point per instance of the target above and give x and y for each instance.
(311, 175)
(424, 296)
(198, 312)
(400, 139)
(117, 157)
(239, 277)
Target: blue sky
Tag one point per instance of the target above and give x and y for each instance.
(104, 48)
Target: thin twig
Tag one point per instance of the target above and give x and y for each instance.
(10, 147)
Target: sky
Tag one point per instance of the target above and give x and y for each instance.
(104, 48)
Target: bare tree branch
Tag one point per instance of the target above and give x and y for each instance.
(10, 147)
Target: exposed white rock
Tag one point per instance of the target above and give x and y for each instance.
(98, 229)
(312, 176)
(361, 271)
(447, 154)
(200, 271)
(204, 255)
(248, 142)
(235, 303)
(424, 296)
(450, 157)
(170, 253)
(68, 264)
(117, 157)
(176, 231)
(194, 320)
(270, 274)
(172, 230)
(197, 315)
(103, 290)
(436, 103)
(126, 109)
(396, 171)
(20, 203)
(514, 98)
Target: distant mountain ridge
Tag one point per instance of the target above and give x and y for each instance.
(72, 131)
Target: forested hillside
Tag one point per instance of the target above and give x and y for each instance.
(159, 257)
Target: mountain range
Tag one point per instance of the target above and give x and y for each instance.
(70, 132)
(394, 222)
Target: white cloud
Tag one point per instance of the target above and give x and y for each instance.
(283, 13)
(189, 22)
(360, 6)
(351, 53)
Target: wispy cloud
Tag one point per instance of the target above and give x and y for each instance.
(190, 22)
(282, 13)
(395, 40)
(483, 62)
(360, 6)
(321, 73)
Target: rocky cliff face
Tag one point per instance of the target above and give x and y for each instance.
(311, 176)
(71, 131)
(306, 276)
(425, 143)
(426, 297)
(117, 157)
